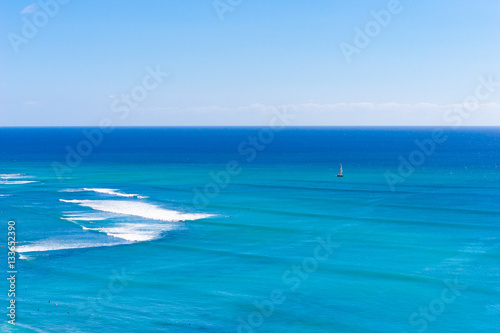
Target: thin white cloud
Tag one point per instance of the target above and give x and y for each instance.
(331, 107)
(30, 9)
(336, 114)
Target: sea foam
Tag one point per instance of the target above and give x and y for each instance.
(16, 182)
(135, 232)
(15, 179)
(55, 245)
(13, 176)
(158, 220)
(141, 209)
(108, 191)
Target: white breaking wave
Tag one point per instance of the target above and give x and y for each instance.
(54, 245)
(163, 219)
(5, 195)
(13, 176)
(135, 232)
(84, 217)
(24, 257)
(108, 219)
(140, 209)
(108, 191)
(16, 182)
(14, 179)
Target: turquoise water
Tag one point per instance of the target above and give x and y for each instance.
(139, 237)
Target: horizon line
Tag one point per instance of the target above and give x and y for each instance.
(260, 126)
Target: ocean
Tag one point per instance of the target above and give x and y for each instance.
(250, 229)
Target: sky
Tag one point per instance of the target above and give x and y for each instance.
(239, 62)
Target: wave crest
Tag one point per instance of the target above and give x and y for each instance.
(108, 191)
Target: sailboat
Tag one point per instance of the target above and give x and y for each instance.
(340, 174)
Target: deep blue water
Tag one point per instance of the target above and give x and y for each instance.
(251, 230)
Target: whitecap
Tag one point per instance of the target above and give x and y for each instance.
(84, 217)
(108, 216)
(115, 192)
(55, 245)
(13, 176)
(161, 220)
(140, 209)
(24, 257)
(16, 182)
(15, 179)
(108, 191)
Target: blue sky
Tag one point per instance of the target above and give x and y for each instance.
(263, 55)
